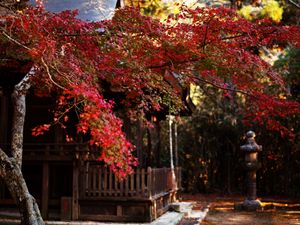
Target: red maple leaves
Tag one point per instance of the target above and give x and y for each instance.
(131, 54)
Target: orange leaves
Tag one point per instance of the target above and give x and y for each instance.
(39, 130)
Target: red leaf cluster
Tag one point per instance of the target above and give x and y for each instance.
(147, 63)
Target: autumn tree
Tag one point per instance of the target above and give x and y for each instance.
(132, 56)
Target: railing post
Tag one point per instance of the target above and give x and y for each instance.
(110, 182)
(86, 179)
(149, 181)
(127, 186)
(143, 182)
(132, 185)
(166, 181)
(94, 179)
(100, 186)
(81, 180)
(105, 182)
(137, 182)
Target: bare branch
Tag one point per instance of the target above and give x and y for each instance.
(2, 5)
(222, 87)
(206, 32)
(14, 40)
(170, 63)
(49, 75)
(294, 3)
(233, 37)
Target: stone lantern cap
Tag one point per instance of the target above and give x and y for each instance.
(251, 145)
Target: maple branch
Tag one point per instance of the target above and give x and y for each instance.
(206, 31)
(222, 87)
(212, 97)
(5, 6)
(49, 74)
(61, 74)
(294, 3)
(244, 34)
(232, 37)
(75, 105)
(13, 40)
(170, 63)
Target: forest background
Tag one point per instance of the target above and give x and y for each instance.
(209, 140)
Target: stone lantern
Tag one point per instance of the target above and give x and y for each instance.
(251, 149)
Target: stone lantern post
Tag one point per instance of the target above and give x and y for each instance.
(251, 149)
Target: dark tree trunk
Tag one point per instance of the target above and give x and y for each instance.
(13, 177)
(10, 167)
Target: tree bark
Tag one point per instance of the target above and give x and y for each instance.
(10, 167)
(19, 103)
(13, 177)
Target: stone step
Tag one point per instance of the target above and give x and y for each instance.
(182, 207)
(169, 218)
(195, 217)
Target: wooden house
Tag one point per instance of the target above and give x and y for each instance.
(66, 179)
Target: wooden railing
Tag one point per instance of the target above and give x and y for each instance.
(99, 182)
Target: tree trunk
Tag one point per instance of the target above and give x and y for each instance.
(13, 177)
(10, 167)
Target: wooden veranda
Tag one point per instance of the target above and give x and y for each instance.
(143, 196)
(78, 187)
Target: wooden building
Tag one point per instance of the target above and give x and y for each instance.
(69, 182)
(66, 179)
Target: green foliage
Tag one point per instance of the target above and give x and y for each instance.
(210, 140)
(210, 153)
(289, 65)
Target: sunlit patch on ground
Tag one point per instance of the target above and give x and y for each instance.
(274, 212)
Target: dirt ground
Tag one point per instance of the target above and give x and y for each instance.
(222, 212)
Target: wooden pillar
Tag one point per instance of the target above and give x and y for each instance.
(75, 195)
(45, 190)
